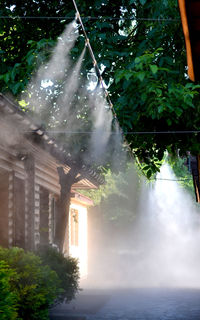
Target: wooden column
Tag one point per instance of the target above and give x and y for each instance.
(29, 165)
(44, 216)
(19, 212)
(11, 209)
(4, 211)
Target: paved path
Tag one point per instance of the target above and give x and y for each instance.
(137, 304)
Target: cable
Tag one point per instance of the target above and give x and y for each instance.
(90, 18)
(96, 67)
(126, 133)
(168, 179)
(163, 132)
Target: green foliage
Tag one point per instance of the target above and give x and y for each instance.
(16, 78)
(150, 165)
(119, 197)
(30, 284)
(65, 267)
(8, 299)
(182, 173)
(36, 286)
(159, 97)
(159, 105)
(144, 65)
(109, 187)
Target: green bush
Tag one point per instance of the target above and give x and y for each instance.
(66, 269)
(8, 299)
(36, 286)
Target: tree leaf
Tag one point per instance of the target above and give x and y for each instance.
(154, 68)
(7, 77)
(15, 87)
(140, 75)
(149, 173)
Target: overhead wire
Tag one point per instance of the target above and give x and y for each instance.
(90, 18)
(129, 132)
(168, 179)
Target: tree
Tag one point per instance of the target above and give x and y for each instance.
(143, 62)
(182, 173)
(123, 190)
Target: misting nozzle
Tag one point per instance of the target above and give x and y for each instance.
(87, 41)
(77, 17)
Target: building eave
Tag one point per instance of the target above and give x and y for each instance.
(37, 135)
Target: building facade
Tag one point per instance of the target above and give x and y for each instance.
(31, 187)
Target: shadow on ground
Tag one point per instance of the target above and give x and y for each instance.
(87, 302)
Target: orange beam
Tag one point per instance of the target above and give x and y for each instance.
(184, 20)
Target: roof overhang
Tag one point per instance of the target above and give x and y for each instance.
(80, 198)
(38, 136)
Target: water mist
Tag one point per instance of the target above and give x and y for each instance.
(160, 247)
(101, 129)
(54, 71)
(71, 87)
(170, 224)
(61, 100)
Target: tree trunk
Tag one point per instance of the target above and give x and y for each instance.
(66, 181)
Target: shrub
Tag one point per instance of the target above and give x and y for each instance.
(66, 269)
(36, 286)
(8, 299)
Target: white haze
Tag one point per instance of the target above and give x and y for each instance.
(162, 250)
(14, 140)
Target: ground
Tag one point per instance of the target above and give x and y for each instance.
(132, 304)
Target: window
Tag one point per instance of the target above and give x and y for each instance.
(74, 227)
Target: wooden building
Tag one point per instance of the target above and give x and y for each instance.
(39, 203)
